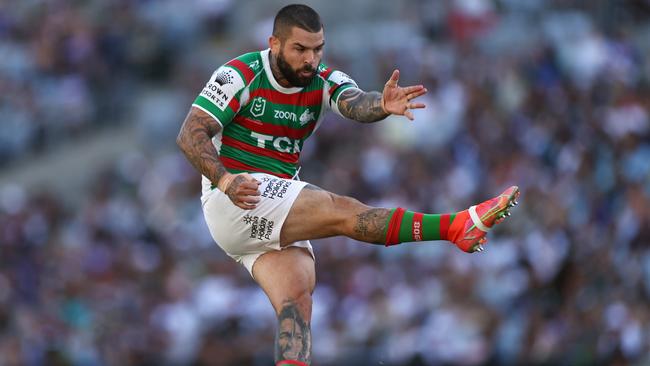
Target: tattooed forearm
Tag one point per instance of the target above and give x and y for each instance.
(195, 141)
(371, 225)
(361, 106)
(293, 341)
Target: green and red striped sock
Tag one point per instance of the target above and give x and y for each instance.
(407, 226)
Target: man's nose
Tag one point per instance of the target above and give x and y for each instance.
(310, 57)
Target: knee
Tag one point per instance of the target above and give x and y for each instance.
(301, 298)
(346, 208)
(297, 304)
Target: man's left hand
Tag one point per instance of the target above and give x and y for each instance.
(397, 100)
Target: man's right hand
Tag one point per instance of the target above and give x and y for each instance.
(242, 189)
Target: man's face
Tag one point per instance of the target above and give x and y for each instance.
(299, 55)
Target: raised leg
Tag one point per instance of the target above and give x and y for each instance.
(318, 214)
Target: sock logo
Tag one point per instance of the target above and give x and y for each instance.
(417, 226)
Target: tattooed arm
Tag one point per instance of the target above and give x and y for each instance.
(364, 107)
(195, 141)
(368, 107)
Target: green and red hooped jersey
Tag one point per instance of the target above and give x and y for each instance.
(265, 124)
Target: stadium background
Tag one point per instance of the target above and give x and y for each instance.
(105, 258)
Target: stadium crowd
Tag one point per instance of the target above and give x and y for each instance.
(542, 94)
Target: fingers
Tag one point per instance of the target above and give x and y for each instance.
(416, 94)
(250, 186)
(408, 114)
(245, 206)
(247, 202)
(414, 89)
(394, 78)
(416, 105)
(246, 195)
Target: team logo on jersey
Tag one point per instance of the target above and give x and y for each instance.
(321, 68)
(306, 117)
(258, 106)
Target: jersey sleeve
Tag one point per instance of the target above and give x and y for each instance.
(221, 95)
(336, 82)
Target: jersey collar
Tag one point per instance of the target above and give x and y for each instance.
(269, 74)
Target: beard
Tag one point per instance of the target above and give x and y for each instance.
(293, 76)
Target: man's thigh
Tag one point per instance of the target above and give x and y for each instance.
(317, 213)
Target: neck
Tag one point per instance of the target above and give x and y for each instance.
(277, 74)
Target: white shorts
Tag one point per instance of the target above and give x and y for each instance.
(247, 234)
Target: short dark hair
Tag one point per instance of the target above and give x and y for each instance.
(296, 15)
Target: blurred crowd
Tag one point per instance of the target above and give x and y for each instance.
(68, 68)
(551, 95)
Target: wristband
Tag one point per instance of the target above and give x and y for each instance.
(225, 181)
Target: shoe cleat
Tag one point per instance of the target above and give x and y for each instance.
(481, 218)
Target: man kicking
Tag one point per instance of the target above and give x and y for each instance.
(244, 133)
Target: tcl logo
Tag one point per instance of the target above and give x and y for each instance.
(282, 144)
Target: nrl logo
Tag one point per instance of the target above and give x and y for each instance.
(306, 117)
(258, 106)
(254, 65)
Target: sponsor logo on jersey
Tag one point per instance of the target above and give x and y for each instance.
(281, 144)
(261, 227)
(222, 87)
(217, 94)
(285, 115)
(307, 117)
(225, 76)
(257, 106)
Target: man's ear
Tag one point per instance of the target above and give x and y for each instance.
(274, 44)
